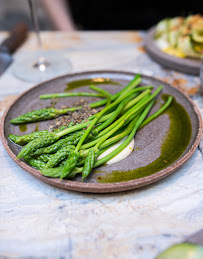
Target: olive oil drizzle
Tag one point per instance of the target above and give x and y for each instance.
(86, 82)
(23, 127)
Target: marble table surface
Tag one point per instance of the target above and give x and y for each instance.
(41, 221)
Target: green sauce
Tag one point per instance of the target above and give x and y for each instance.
(23, 127)
(37, 127)
(174, 145)
(84, 82)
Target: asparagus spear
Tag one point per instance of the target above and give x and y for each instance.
(43, 157)
(59, 156)
(32, 146)
(70, 164)
(23, 140)
(56, 172)
(156, 114)
(13, 137)
(39, 115)
(61, 95)
(69, 140)
(38, 164)
(89, 163)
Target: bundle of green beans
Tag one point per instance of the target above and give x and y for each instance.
(75, 149)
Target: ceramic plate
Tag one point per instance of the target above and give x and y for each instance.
(149, 140)
(185, 65)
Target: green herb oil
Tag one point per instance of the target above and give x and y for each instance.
(85, 82)
(37, 127)
(23, 127)
(174, 145)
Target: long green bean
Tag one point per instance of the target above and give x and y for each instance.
(62, 95)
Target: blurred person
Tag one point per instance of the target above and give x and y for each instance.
(115, 14)
(60, 14)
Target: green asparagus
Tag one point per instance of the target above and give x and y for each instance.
(51, 113)
(74, 149)
(32, 146)
(36, 163)
(60, 95)
(70, 164)
(89, 163)
(23, 140)
(39, 115)
(59, 156)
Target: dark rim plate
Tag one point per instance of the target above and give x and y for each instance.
(29, 100)
(185, 65)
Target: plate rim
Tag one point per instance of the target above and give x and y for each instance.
(170, 61)
(103, 187)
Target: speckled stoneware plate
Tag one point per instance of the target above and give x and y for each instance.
(185, 65)
(142, 167)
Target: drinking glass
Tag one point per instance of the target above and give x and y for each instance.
(43, 64)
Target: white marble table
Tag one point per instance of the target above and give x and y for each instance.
(41, 221)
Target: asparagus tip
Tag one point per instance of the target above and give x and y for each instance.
(13, 121)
